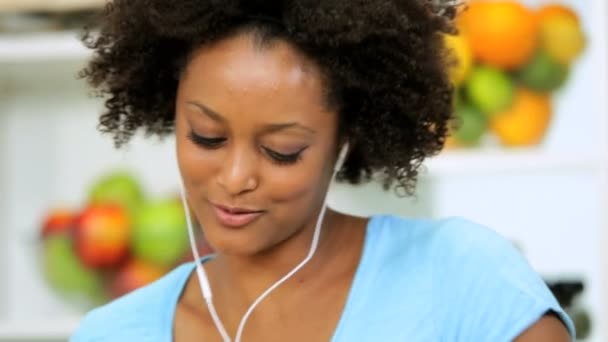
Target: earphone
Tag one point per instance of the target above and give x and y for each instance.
(204, 281)
(341, 157)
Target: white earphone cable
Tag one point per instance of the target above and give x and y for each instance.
(202, 276)
(313, 248)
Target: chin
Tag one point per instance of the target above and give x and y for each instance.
(238, 249)
(245, 241)
(234, 243)
(245, 244)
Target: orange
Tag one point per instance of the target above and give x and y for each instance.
(451, 143)
(501, 33)
(525, 122)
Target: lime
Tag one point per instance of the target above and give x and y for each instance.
(471, 125)
(489, 89)
(543, 73)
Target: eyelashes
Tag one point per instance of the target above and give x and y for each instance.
(214, 143)
(283, 158)
(209, 143)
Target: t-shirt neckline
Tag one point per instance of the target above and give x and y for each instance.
(357, 288)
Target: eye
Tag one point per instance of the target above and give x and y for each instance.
(284, 159)
(206, 142)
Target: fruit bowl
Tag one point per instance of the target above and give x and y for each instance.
(506, 63)
(84, 288)
(115, 243)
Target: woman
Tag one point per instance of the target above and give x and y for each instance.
(263, 97)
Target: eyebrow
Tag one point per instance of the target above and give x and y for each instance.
(271, 128)
(207, 111)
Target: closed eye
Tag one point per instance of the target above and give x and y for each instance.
(217, 142)
(206, 142)
(281, 158)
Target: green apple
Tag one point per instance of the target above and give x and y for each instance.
(118, 187)
(489, 89)
(471, 125)
(543, 73)
(65, 272)
(159, 234)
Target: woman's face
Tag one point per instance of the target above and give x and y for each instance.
(256, 143)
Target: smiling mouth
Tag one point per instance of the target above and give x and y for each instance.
(235, 210)
(235, 217)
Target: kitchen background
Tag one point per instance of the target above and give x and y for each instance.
(529, 159)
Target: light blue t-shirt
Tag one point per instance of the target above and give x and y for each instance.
(418, 280)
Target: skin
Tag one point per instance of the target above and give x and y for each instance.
(547, 329)
(257, 102)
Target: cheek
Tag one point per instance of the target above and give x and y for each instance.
(195, 167)
(302, 184)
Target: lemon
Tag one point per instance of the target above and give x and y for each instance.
(461, 58)
(562, 37)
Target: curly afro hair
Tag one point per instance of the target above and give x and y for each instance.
(383, 60)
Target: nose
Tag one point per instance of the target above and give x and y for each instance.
(238, 172)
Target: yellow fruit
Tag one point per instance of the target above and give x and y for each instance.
(461, 58)
(501, 33)
(562, 37)
(525, 122)
(451, 143)
(549, 10)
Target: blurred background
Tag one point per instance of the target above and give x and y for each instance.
(82, 223)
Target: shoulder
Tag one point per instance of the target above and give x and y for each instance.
(452, 231)
(444, 242)
(141, 315)
(481, 285)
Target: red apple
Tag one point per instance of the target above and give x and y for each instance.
(59, 220)
(133, 275)
(101, 235)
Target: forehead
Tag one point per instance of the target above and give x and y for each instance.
(238, 73)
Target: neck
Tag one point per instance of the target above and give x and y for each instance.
(247, 277)
(237, 282)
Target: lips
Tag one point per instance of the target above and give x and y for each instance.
(235, 217)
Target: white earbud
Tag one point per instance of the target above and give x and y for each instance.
(341, 157)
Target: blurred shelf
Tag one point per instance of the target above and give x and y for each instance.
(498, 160)
(46, 5)
(38, 329)
(41, 47)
